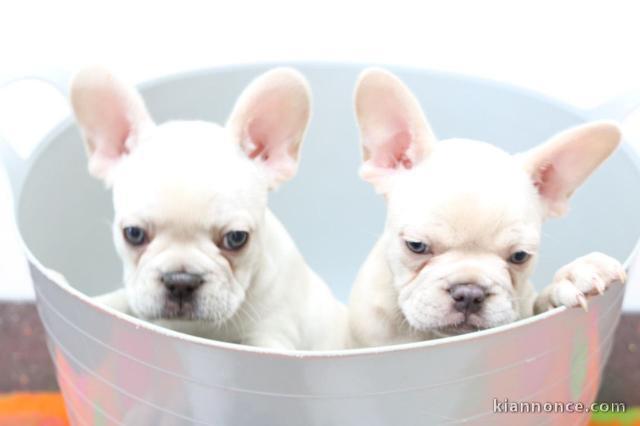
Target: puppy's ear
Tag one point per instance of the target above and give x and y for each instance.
(111, 115)
(269, 122)
(395, 134)
(560, 165)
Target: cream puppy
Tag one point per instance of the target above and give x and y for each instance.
(464, 222)
(202, 253)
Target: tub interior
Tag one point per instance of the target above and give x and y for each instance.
(64, 214)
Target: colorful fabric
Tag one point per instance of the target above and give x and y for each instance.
(47, 409)
(630, 418)
(37, 409)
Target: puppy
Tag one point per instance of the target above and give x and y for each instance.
(463, 225)
(202, 253)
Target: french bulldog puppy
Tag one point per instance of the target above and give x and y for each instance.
(202, 252)
(463, 223)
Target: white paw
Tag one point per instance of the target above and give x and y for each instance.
(588, 275)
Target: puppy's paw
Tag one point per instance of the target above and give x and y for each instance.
(588, 275)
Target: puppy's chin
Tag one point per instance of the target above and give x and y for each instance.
(212, 303)
(458, 328)
(180, 309)
(441, 320)
(439, 328)
(192, 311)
(441, 325)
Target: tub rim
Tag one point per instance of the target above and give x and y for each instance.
(59, 280)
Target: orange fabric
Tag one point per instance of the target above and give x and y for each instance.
(47, 409)
(38, 409)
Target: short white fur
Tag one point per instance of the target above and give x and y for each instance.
(474, 206)
(187, 183)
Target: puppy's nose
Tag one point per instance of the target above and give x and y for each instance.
(181, 285)
(467, 298)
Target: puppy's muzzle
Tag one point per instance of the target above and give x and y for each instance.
(467, 298)
(181, 285)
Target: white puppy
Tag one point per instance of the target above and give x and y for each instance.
(200, 247)
(463, 224)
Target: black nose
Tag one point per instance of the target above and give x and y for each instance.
(467, 298)
(181, 285)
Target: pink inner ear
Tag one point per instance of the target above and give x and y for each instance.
(396, 153)
(267, 143)
(389, 144)
(274, 146)
(269, 121)
(547, 182)
(562, 164)
(395, 135)
(112, 146)
(109, 136)
(110, 114)
(257, 139)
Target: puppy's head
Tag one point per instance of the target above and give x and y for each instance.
(464, 217)
(190, 197)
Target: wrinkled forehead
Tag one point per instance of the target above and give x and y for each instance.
(179, 174)
(467, 196)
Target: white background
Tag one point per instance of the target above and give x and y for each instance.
(581, 52)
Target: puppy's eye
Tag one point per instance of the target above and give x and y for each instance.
(134, 235)
(235, 240)
(519, 257)
(417, 247)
